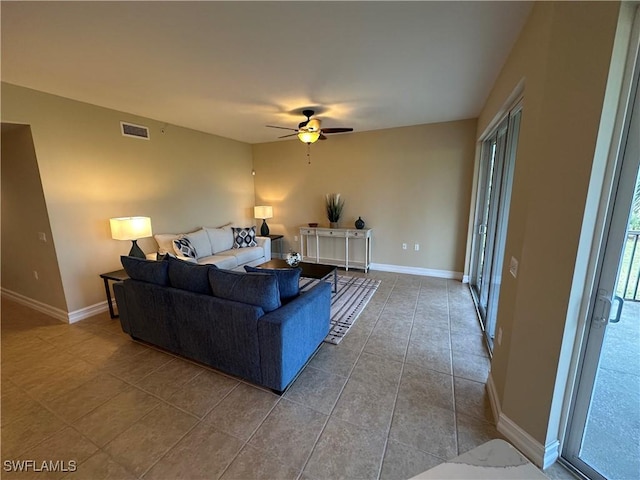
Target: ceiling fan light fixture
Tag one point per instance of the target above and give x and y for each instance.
(313, 125)
(307, 136)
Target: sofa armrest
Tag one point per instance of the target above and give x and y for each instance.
(289, 335)
(265, 243)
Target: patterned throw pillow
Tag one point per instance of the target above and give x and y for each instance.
(244, 237)
(183, 247)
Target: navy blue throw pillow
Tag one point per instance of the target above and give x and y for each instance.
(288, 280)
(189, 276)
(146, 270)
(258, 289)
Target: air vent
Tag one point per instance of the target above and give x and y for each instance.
(135, 131)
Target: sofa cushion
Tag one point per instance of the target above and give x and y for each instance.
(258, 289)
(146, 270)
(189, 276)
(183, 248)
(244, 255)
(288, 280)
(200, 241)
(165, 241)
(220, 238)
(244, 237)
(225, 262)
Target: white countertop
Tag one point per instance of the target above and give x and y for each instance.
(494, 460)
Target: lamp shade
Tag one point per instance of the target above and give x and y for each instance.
(263, 211)
(308, 136)
(130, 228)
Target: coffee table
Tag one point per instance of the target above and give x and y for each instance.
(309, 270)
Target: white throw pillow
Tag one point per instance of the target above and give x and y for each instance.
(165, 242)
(200, 241)
(221, 239)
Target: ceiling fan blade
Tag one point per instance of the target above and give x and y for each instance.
(336, 130)
(283, 128)
(322, 137)
(290, 135)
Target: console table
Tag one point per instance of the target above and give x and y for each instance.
(322, 234)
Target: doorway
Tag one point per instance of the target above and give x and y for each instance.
(497, 162)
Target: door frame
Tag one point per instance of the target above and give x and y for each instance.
(497, 206)
(611, 249)
(595, 230)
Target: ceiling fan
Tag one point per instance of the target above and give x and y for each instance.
(310, 130)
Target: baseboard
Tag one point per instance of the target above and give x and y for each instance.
(494, 400)
(551, 454)
(89, 311)
(425, 272)
(54, 312)
(543, 456)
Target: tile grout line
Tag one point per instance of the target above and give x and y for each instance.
(390, 299)
(246, 442)
(68, 424)
(395, 400)
(453, 376)
(162, 401)
(201, 421)
(315, 444)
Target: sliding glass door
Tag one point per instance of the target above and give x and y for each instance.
(492, 212)
(603, 440)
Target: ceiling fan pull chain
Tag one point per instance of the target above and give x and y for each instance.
(309, 153)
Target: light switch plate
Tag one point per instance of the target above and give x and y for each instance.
(513, 267)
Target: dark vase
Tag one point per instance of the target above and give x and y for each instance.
(359, 223)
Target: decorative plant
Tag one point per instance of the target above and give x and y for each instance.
(334, 207)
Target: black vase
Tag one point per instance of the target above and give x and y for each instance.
(359, 223)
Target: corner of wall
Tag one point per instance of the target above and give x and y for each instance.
(542, 456)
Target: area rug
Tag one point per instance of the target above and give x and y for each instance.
(353, 295)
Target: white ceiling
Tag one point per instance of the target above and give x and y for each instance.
(230, 68)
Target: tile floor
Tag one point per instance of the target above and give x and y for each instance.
(403, 392)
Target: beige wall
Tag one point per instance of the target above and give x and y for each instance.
(181, 178)
(24, 214)
(563, 55)
(411, 185)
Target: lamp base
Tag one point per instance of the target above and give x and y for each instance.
(136, 251)
(264, 229)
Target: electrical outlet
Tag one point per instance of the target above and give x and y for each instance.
(404, 246)
(416, 247)
(513, 267)
(42, 237)
(35, 275)
(499, 339)
(295, 238)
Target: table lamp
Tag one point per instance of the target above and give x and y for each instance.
(131, 228)
(263, 212)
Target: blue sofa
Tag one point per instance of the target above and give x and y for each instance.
(253, 325)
